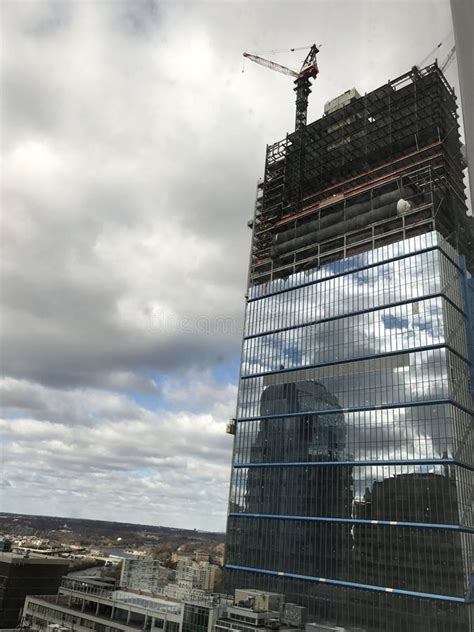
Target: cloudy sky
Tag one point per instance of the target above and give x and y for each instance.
(133, 137)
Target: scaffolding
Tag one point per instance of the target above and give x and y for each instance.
(385, 167)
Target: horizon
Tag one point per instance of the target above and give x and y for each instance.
(134, 524)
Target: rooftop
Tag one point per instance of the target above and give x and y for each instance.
(17, 559)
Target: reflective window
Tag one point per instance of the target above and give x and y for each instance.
(354, 440)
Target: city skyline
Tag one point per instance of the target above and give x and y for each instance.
(132, 145)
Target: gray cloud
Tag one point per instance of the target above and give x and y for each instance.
(96, 444)
(132, 142)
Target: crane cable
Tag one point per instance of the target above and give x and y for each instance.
(432, 52)
(284, 50)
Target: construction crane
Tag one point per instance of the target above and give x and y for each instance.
(449, 59)
(309, 70)
(430, 54)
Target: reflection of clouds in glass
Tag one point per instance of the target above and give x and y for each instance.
(396, 433)
(394, 490)
(384, 253)
(410, 377)
(346, 333)
(393, 329)
(391, 281)
(379, 448)
(400, 433)
(390, 321)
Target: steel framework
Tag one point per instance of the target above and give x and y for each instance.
(385, 167)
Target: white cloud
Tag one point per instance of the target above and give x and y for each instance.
(92, 443)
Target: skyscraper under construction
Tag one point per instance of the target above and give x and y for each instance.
(353, 461)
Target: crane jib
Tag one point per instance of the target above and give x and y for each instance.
(309, 70)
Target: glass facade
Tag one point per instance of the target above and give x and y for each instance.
(352, 476)
(195, 618)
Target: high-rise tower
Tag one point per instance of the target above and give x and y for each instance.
(353, 457)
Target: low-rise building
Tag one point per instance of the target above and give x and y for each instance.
(201, 556)
(202, 615)
(178, 555)
(202, 574)
(184, 590)
(83, 606)
(260, 611)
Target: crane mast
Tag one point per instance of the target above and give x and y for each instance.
(308, 71)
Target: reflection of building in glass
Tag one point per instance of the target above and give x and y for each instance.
(299, 437)
(308, 488)
(353, 460)
(416, 497)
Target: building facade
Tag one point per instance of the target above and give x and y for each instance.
(201, 574)
(82, 605)
(143, 574)
(21, 576)
(352, 478)
(258, 611)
